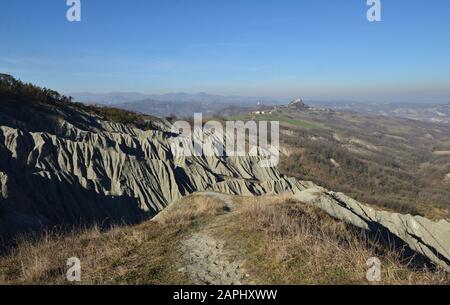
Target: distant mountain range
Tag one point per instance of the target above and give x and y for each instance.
(184, 105)
(179, 104)
(125, 97)
(107, 98)
(177, 108)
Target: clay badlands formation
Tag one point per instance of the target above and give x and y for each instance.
(63, 166)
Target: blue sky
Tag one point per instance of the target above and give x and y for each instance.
(317, 49)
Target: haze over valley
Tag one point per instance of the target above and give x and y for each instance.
(319, 155)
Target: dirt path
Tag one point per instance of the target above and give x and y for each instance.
(204, 257)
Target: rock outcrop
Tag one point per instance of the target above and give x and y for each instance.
(428, 238)
(59, 168)
(62, 167)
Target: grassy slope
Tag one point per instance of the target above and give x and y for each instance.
(144, 254)
(280, 241)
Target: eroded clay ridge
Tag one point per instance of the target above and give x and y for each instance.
(428, 238)
(67, 168)
(58, 172)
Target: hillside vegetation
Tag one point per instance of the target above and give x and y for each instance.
(397, 164)
(15, 93)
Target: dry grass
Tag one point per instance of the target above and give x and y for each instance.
(442, 152)
(142, 254)
(287, 242)
(190, 209)
(281, 241)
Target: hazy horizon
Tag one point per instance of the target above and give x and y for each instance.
(317, 50)
(275, 100)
